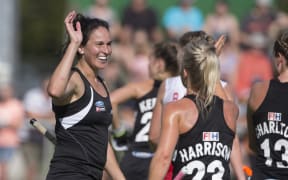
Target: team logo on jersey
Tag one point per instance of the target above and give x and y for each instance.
(100, 107)
(210, 136)
(274, 116)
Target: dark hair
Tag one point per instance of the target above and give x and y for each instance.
(168, 52)
(87, 26)
(281, 45)
(195, 36)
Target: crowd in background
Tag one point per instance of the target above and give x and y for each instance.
(245, 59)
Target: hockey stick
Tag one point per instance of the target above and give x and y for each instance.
(37, 125)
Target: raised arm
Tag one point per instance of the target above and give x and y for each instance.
(60, 85)
(219, 44)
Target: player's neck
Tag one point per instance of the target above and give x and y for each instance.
(283, 77)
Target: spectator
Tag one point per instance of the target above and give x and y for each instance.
(182, 18)
(138, 67)
(253, 66)
(123, 44)
(101, 9)
(11, 118)
(139, 16)
(222, 22)
(229, 59)
(36, 149)
(257, 21)
(281, 23)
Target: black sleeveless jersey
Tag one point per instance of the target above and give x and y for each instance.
(270, 121)
(204, 151)
(82, 135)
(144, 110)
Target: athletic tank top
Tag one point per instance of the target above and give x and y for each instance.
(204, 151)
(175, 90)
(270, 121)
(144, 110)
(82, 133)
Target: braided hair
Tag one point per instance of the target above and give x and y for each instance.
(281, 45)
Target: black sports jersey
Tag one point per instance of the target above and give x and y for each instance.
(270, 121)
(144, 110)
(82, 136)
(136, 161)
(204, 151)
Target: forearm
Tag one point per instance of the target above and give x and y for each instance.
(111, 166)
(47, 116)
(115, 120)
(159, 167)
(236, 159)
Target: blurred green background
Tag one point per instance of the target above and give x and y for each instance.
(42, 28)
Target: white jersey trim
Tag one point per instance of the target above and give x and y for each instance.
(73, 119)
(174, 86)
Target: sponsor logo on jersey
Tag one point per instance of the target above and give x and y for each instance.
(274, 116)
(210, 136)
(100, 107)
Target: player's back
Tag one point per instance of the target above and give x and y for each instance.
(211, 145)
(270, 122)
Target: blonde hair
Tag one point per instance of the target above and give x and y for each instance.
(200, 61)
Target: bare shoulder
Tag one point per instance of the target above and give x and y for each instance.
(185, 111)
(257, 94)
(76, 84)
(175, 107)
(143, 87)
(74, 90)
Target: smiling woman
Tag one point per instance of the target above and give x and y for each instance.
(81, 103)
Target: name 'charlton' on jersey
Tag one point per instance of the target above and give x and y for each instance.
(270, 122)
(274, 125)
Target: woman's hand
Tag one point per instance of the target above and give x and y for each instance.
(75, 35)
(219, 44)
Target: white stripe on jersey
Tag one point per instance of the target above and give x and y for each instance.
(73, 119)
